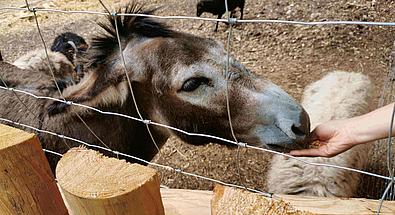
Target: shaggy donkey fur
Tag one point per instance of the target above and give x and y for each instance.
(62, 68)
(33, 81)
(63, 56)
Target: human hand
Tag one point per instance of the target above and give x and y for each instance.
(335, 137)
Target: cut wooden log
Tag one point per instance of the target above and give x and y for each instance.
(186, 202)
(94, 184)
(229, 200)
(197, 202)
(337, 206)
(27, 185)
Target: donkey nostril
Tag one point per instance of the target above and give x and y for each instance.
(302, 128)
(298, 131)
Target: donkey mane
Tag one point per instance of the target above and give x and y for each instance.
(129, 27)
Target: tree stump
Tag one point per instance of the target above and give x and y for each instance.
(27, 185)
(94, 184)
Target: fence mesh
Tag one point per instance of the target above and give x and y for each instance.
(386, 188)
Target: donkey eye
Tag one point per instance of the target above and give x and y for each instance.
(193, 83)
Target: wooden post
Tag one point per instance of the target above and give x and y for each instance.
(197, 202)
(94, 184)
(228, 200)
(27, 185)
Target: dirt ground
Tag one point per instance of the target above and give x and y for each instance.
(291, 56)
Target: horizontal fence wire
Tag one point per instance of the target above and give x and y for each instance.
(245, 145)
(231, 20)
(49, 151)
(169, 168)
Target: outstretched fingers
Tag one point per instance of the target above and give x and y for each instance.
(322, 151)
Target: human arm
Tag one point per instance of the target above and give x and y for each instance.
(337, 136)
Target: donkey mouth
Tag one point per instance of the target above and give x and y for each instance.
(278, 148)
(285, 148)
(275, 138)
(286, 145)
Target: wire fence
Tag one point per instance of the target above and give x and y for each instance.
(231, 21)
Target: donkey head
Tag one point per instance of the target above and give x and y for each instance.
(180, 80)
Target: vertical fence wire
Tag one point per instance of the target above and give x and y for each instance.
(29, 110)
(228, 77)
(390, 155)
(383, 148)
(49, 64)
(390, 159)
(115, 15)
